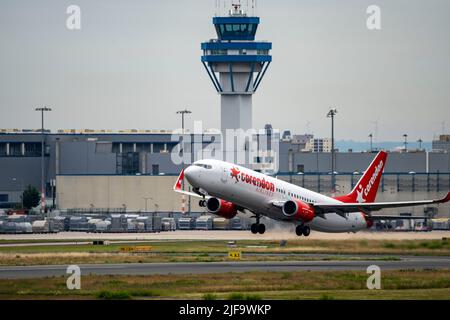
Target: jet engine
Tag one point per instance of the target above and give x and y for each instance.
(298, 210)
(221, 208)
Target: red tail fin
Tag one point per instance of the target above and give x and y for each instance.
(366, 188)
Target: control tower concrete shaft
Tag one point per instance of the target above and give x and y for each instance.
(236, 65)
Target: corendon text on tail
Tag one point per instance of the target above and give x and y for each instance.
(226, 188)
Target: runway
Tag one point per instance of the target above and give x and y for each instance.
(273, 234)
(416, 262)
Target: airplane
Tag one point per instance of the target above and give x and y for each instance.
(226, 188)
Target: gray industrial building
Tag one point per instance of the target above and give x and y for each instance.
(90, 162)
(442, 143)
(81, 154)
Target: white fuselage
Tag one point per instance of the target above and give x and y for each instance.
(244, 187)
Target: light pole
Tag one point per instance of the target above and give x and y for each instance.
(371, 137)
(183, 112)
(406, 142)
(42, 110)
(331, 115)
(420, 143)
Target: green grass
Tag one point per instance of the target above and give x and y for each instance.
(242, 296)
(406, 284)
(113, 295)
(286, 275)
(103, 258)
(418, 244)
(425, 294)
(206, 251)
(220, 246)
(326, 296)
(209, 296)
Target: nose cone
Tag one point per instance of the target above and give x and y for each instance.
(192, 175)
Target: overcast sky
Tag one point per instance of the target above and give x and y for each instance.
(135, 62)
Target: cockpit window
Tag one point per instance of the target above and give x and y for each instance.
(205, 166)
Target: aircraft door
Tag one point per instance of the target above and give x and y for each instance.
(224, 177)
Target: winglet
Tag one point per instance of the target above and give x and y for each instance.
(179, 181)
(444, 200)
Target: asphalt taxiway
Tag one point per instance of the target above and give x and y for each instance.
(404, 263)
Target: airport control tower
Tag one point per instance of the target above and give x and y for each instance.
(236, 65)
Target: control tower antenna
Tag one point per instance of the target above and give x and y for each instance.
(249, 7)
(237, 10)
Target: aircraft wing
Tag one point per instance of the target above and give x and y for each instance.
(323, 208)
(192, 194)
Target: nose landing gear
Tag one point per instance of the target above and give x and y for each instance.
(258, 227)
(302, 230)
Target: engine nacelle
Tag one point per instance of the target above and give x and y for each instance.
(298, 210)
(221, 208)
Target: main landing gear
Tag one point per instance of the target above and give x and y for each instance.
(258, 227)
(202, 203)
(302, 230)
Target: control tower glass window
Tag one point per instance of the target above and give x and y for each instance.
(237, 30)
